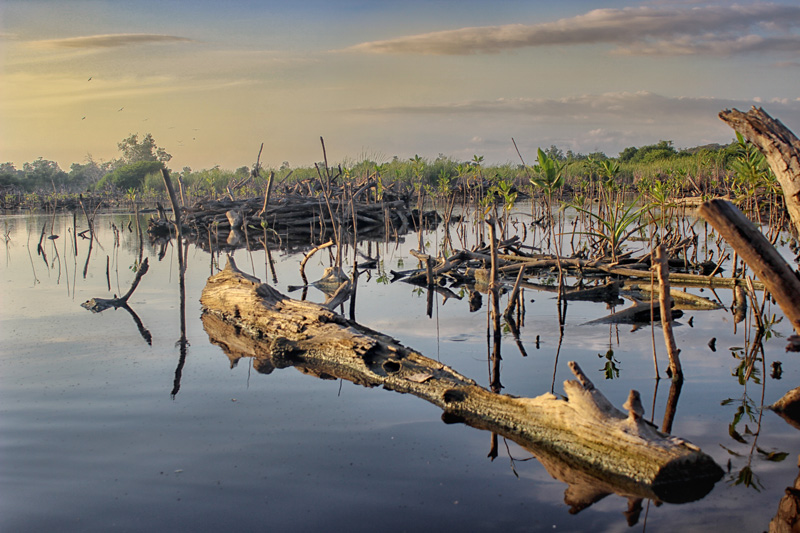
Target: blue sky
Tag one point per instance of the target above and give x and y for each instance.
(213, 80)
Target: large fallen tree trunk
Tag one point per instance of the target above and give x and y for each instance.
(586, 431)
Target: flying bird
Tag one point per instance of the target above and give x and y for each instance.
(120, 109)
(90, 78)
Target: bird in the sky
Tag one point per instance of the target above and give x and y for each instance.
(84, 118)
(120, 109)
(90, 78)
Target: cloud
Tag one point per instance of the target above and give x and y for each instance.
(110, 40)
(640, 30)
(640, 107)
(715, 46)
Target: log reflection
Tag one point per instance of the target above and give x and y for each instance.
(585, 485)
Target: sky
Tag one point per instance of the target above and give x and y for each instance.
(212, 81)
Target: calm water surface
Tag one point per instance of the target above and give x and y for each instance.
(92, 438)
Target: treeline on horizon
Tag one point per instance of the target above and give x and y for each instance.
(138, 169)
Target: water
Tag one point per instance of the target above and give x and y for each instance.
(91, 438)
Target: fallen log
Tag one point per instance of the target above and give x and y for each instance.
(585, 431)
(758, 253)
(680, 299)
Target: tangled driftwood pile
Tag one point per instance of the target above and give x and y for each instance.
(292, 218)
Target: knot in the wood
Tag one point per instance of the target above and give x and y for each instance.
(284, 350)
(634, 406)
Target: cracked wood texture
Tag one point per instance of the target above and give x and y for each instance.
(584, 434)
(780, 147)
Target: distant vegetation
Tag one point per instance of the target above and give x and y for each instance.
(138, 171)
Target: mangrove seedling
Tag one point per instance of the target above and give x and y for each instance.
(622, 222)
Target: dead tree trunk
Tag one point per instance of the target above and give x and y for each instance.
(758, 253)
(780, 147)
(585, 432)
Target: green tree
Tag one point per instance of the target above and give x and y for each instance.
(10, 177)
(555, 153)
(654, 152)
(43, 173)
(129, 176)
(135, 150)
(628, 154)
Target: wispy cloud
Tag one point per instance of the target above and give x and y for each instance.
(629, 107)
(635, 30)
(110, 40)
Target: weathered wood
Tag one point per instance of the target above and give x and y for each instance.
(758, 253)
(680, 299)
(586, 431)
(637, 314)
(780, 148)
(98, 305)
(682, 279)
(665, 304)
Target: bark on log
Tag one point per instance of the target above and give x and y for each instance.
(585, 432)
(758, 253)
(780, 147)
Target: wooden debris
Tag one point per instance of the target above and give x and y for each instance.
(293, 218)
(638, 313)
(780, 148)
(665, 304)
(584, 435)
(98, 305)
(765, 261)
(680, 299)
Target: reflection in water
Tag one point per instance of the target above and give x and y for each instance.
(98, 305)
(787, 518)
(692, 413)
(748, 410)
(672, 404)
(586, 485)
(182, 343)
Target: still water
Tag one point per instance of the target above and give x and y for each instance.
(102, 431)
